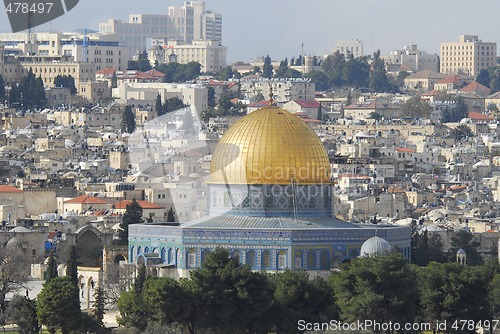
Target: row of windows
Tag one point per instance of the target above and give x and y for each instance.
(466, 47)
(465, 65)
(467, 53)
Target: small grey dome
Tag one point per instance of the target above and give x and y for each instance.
(13, 244)
(20, 229)
(375, 246)
(460, 251)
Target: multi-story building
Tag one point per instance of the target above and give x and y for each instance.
(467, 56)
(102, 50)
(354, 47)
(283, 90)
(410, 58)
(210, 54)
(48, 67)
(193, 95)
(186, 23)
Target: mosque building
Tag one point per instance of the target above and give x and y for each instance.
(270, 203)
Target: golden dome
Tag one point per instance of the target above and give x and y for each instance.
(270, 146)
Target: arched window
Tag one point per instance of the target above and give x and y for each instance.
(236, 255)
(251, 259)
(266, 259)
(191, 258)
(178, 258)
(282, 259)
(324, 261)
(170, 255)
(298, 260)
(204, 255)
(311, 260)
(163, 255)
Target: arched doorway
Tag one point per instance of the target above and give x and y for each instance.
(89, 247)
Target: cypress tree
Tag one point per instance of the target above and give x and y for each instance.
(128, 120)
(51, 267)
(72, 266)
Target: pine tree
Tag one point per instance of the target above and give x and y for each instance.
(114, 80)
(267, 70)
(13, 94)
(158, 106)
(99, 306)
(132, 215)
(58, 306)
(39, 96)
(140, 279)
(170, 215)
(2, 89)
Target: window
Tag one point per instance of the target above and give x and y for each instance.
(311, 260)
(282, 260)
(191, 258)
(298, 260)
(250, 260)
(266, 260)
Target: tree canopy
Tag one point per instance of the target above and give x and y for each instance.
(267, 69)
(66, 81)
(415, 107)
(141, 64)
(175, 72)
(128, 120)
(378, 289)
(132, 215)
(13, 269)
(58, 305)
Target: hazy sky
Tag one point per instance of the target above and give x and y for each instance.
(279, 27)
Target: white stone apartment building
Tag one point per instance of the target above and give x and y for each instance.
(353, 46)
(186, 23)
(194, 95)
(284, 90)
(103, 50)
(411, 58)
(209, 53)
(467, 56)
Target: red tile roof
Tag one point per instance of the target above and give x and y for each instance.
(9, 189)
(475, 116)
(430, 93)
(143, 204)
(405, 150)
(135, 74)
(476, 87)
(107, 71)
(451, 79)
(395, 190)
(85, 199)
(155, 73)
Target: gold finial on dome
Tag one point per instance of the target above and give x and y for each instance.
(271, 96)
